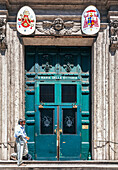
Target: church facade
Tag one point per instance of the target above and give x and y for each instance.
(61, 80)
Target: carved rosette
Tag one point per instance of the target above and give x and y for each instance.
(58, 27)
(3, 43)
(114, 35)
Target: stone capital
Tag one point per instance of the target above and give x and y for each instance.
(3, 43)
(114, 33)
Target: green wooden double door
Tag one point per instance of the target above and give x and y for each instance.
(57, 96)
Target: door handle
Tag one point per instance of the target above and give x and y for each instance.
(60, 130)
(55, 131)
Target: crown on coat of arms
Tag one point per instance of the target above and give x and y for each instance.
(26, 12)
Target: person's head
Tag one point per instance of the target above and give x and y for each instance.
(21, 122)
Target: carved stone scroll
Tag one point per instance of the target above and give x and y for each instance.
(113, 35)
(58, 27)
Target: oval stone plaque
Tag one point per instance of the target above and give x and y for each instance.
(90, 20)
(26, 21)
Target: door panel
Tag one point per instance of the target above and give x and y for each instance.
(70, 120)
(46, 121)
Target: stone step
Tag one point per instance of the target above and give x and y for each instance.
(60, 165)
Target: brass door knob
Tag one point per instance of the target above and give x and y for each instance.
(60, 130)
(55, 131)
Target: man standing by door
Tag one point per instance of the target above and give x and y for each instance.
(21, 141)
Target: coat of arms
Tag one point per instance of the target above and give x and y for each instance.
(26, 20)
(90, 20)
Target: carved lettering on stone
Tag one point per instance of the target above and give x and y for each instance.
(113, 35)
(58, 27)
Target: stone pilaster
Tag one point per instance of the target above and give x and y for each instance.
(3, 84)
(113, 74)
(103, 98)
(11, 90)
(116, 104)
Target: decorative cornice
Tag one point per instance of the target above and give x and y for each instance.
(58, 27)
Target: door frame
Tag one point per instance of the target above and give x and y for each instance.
(32, 122)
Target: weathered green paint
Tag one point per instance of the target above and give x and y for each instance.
(70, 144)
(57, 66)
(45, 143)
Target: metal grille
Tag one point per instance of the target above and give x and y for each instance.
(47, 93)
(69, 93)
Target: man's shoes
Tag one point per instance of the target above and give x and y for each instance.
(13, 156)
(21, 164)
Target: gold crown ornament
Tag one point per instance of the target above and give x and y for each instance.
(26, 12)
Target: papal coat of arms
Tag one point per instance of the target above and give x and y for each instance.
(26, 21)
(90, 20)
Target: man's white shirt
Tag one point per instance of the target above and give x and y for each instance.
(20, 131)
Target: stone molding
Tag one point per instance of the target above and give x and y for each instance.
(114, 35)
(106, 3)
(3, 43)
(58, 27)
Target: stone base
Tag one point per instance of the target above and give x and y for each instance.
(61, 165)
